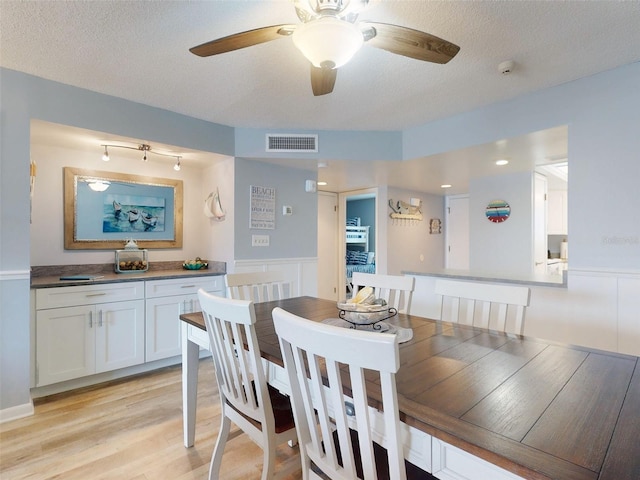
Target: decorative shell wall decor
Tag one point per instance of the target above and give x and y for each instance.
(213, 207)
(498, 211)
(405, 210)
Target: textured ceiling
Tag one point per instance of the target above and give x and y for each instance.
(139, 50)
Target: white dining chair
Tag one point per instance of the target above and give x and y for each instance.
(396, 290)
(258, 409)
(485, 305)
(335, 432)
(257, 286)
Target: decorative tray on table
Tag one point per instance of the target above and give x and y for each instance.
(365, 310)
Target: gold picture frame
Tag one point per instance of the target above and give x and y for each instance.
(104, 209)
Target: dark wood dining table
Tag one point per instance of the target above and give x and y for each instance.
(538, 409)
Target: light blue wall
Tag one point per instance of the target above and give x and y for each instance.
(603, 115)
(366, 210)
(294, 235)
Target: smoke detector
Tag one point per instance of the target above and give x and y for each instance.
(506, 67)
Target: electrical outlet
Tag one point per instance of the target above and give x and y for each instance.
(259, 240)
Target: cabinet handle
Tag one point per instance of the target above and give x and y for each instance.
(95, 294)
(90, 319)
(188, 286)
(100, 318)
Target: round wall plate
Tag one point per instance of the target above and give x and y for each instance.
(497, 211)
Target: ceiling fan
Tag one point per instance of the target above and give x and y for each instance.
(330, 35)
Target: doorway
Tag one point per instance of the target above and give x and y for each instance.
(358, 245)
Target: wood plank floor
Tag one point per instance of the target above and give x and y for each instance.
(128, 430)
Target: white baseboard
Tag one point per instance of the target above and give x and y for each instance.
(14, 413)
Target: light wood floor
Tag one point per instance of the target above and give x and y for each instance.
(127, 430)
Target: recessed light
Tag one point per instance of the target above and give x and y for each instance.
(501, 162)
(446, 185)
(322, 184)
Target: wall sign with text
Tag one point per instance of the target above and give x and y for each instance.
(263, 208)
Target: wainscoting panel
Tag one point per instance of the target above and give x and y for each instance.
(301, 272)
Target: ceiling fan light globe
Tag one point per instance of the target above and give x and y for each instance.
(328, 41)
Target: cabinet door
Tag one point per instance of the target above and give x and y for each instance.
(119, 335)
(64, 344)
(162, 325)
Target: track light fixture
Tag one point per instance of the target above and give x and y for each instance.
(145, 148)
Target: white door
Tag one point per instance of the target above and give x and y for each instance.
(540, 224)
(457, 232)
(328, 237)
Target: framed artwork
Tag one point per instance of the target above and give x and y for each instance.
(103, 209)
(435, 226)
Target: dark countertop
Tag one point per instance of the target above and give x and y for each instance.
(49, 276)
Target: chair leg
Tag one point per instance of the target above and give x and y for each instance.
(216, 458)
(269, 459)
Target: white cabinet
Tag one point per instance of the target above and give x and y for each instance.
(88, 329)
(166, 300)
(557, 212)
(451, 463)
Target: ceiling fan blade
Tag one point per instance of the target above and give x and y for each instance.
(323, 80)
(411, 43)
(242, 40)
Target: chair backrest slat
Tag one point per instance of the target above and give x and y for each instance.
(257, 286)
(319, 359)
(396, 290)
(230, 326)
(484, 305)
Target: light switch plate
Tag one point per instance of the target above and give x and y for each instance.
(259, 240)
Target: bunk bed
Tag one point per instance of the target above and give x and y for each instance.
(358, 259)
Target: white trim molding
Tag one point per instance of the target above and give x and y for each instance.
(14, 413)
(8, 275)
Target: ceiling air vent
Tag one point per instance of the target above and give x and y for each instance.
(292, 143)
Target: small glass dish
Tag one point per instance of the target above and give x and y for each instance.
(195, 266)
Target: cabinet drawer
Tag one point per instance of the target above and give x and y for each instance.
(183, 286)
(88, 294)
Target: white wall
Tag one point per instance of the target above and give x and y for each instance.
(219, 234)
(47, 227)
(506, 246)
(409, 244)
